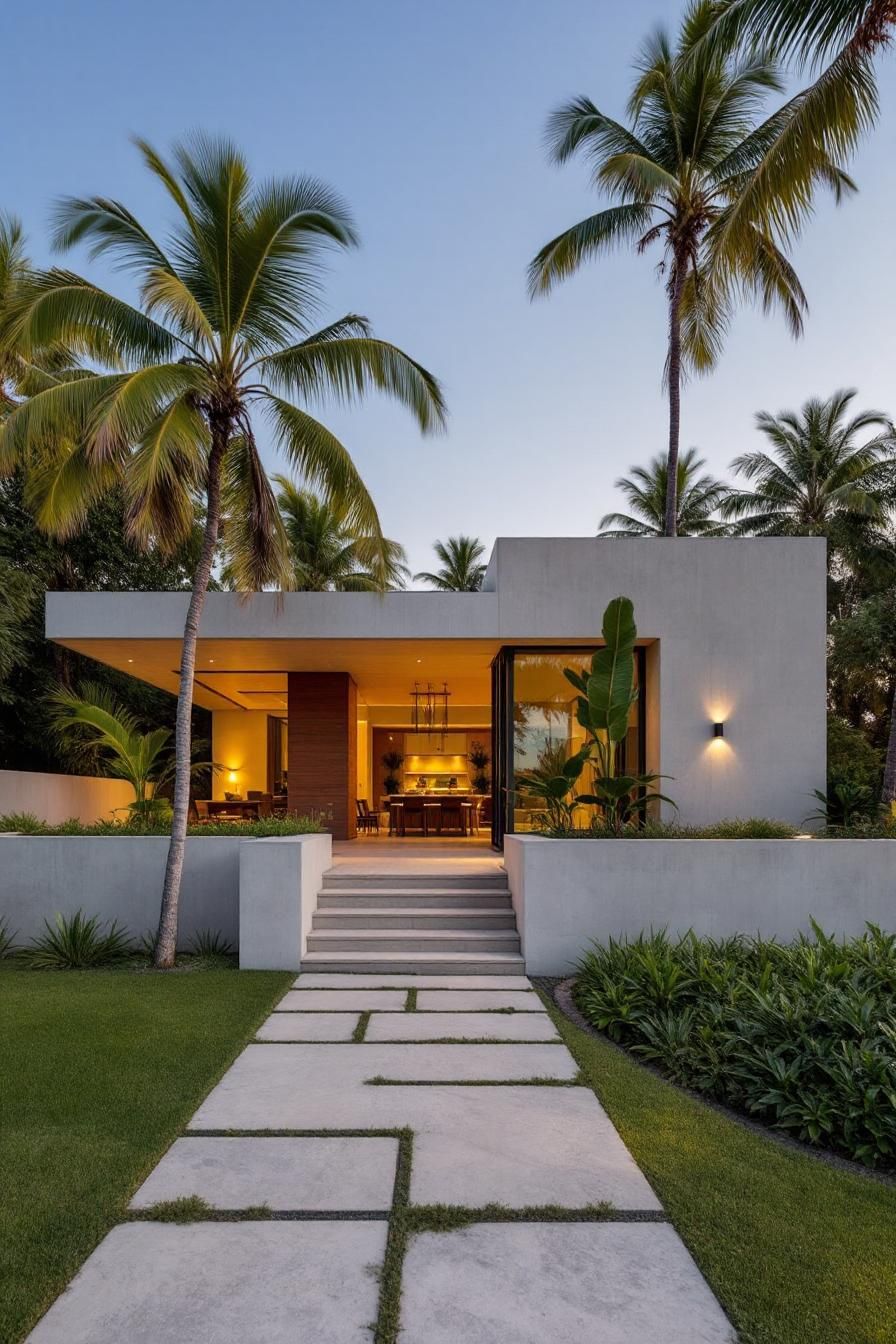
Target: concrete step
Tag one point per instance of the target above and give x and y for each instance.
(432, 963)
(403, 879)
(417, 898)
(411, 917)
(419, 941)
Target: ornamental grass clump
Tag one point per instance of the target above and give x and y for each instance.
(800, 1036)
(79, 943)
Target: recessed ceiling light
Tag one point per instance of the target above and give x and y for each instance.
(419, 660)
(211, 660)
(130, 660)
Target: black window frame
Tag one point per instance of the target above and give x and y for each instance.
(502, 724)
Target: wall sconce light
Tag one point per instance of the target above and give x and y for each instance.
(718, 730)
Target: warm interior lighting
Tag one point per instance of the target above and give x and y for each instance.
(231, 778)
(718, 730)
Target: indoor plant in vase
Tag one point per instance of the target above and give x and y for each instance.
(393, 761)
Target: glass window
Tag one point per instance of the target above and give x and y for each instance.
(545, 730)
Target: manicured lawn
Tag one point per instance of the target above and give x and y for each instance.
(798, 1252)
(99, 1070)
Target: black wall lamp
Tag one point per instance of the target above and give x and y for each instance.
(718, 730)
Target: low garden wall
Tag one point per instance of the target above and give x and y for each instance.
(568, 892)
(58, 798)
(120, 877)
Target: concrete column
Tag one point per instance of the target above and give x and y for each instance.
(322, 736)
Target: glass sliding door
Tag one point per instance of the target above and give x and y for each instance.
(535, 725)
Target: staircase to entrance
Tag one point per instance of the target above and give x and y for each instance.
(418, 921)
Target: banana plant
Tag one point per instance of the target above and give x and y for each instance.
(607, 692)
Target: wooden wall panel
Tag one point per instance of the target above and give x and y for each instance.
(323, 747)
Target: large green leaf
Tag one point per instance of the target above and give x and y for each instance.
(611, 690)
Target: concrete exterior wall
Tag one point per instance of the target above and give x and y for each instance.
(57, 798)
(118, 877)
(279, 884)
(568, 892)
(259, 894)
(736, 630)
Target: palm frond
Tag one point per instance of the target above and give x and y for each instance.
(256, 539)
(320, 458)
(598, 233)
(348, 367)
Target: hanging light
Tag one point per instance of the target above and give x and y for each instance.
(429, 708)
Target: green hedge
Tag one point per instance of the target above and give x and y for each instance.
(26, 823)
(800, 1036)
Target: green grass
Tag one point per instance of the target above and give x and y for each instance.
(100, 1070)
(798, 1251)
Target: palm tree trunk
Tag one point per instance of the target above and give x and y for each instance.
(888, 792)
(166, 939)
(670, 528)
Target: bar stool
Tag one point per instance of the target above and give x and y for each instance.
(432, 817)
(468, 812)
(396, 818)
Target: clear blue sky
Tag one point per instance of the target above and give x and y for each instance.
(427, 115)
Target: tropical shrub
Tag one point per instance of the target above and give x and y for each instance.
(77, 943)
(801, 1036)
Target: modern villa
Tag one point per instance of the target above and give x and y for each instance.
(310, 691)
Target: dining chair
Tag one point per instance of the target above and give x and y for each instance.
(452, 817)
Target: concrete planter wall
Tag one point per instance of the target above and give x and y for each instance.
(568, 892)
(120, 877)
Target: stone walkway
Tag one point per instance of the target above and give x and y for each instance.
(364, 1102)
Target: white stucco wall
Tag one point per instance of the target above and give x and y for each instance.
(279, 884)
(568, 892)
(259, 894)
(117, 877)
(57, 798)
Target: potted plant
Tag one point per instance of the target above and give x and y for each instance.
(479, 759)
(393, 761)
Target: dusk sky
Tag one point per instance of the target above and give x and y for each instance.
(428, 118)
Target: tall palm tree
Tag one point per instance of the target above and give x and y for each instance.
(698, 498)
(824, 477)
(463, 568)
(223, 333)
(675, 176)
(328, 552)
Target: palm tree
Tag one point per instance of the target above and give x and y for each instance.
(698, 498)
(222, 334)
(675, 176)
(329, 553)
(819, 480)
(463, 569)
(93, 716)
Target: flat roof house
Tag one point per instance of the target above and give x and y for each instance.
(309, 691)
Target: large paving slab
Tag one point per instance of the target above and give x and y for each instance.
(478, 1001)
(312, 1086)
(308, 1027)
(367, 980)
(458, 1026)
(520, 1146)
(583, 1283)
(288, 1174)
(341, 1000)
(231, 1283)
